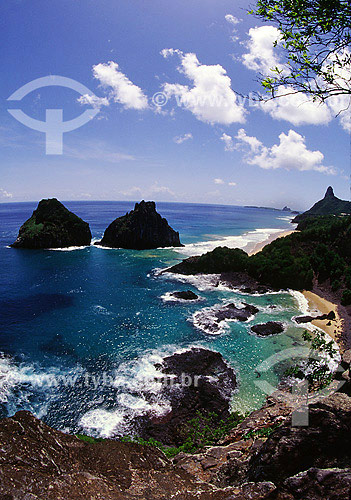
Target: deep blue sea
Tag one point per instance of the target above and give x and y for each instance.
(81, 329)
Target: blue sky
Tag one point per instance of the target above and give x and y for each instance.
(191, 149)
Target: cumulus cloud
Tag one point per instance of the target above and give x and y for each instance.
(210, 98)
(218, 181)
(93, 101)
(291, 153)
(228, 142)
(137, 192)
(182, 138)
(297, 108)
(121, 89)
(5, 194)
(262, 56)
(232, 19)
(340, 105)
(232, 184)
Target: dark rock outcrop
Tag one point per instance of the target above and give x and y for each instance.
(185, 295)
(307, 319)
(230, 311)
(210, 319)
(317, 484)
(219, 260)
(37, 462)
(141, 229)
(325, 443)
(52, 225)
(194, 380)
(329, 205)
(269, 328)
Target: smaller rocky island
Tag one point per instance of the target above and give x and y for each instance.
(52, 225)
(140, 229)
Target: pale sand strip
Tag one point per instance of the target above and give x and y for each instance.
(318, 305)
(259, 246)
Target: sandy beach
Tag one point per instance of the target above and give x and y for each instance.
(259, 246)
(318, 305)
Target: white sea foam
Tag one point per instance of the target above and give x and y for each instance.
(246, 241)
(206, 319)
(67, 249)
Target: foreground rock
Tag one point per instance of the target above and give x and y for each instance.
(194, 380)
(325, 443)
(141, 229)
(269, 328)
(52, 225)
(293, 463)
(185, 295)
(37, 462)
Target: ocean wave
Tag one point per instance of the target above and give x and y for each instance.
(246, 241)
(203, 282)
(67, 249)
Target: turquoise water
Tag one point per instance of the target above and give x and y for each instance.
(80, 329)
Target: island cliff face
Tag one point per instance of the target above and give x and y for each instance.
(52, 225)
(329, 205)
(141, 229)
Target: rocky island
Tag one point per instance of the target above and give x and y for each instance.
(52, 225)
(140, 229)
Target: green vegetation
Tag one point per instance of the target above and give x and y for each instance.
(89, 439)
(201, 431)
(264, 432)
(315, 36)
(315, 369)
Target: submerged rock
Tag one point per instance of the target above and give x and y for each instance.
(211, 320)
(52, 225)
(141, 229)
(269, 328)
(194, 380)
(185, 295)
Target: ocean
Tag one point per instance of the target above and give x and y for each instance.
(82, 328)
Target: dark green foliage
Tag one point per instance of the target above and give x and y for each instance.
(346, 298)
(222, 259)
(89, 439)
(315, 369)
(314, 36)
(201, 431)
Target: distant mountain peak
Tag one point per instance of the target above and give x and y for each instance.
(329, 193)
(329, 205)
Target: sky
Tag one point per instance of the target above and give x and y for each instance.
(166, 81)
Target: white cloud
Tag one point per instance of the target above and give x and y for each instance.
(291, 153)
(262, 55)
(228, 142)
(122, 90)
(254, 144)
(150, 192)
(340, 105)
(232, 184)
(232, 19)
(5, 194)
(93, 101)
(218, 181)
(211, 98)
(296, 108)
(182, 138)
(97, 150)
